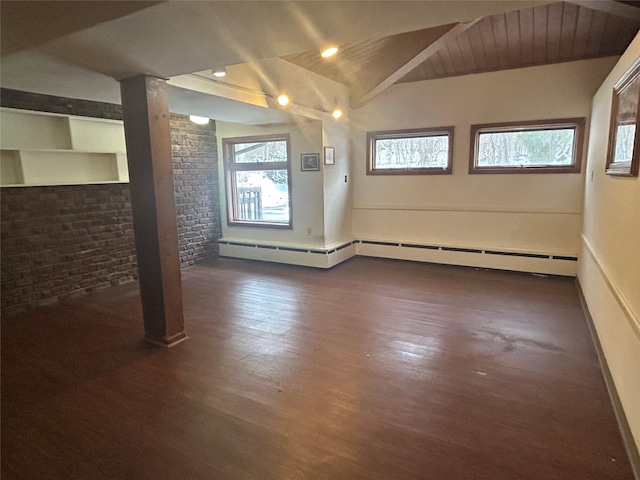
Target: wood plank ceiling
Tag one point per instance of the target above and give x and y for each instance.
(557, 32)
(550, 33)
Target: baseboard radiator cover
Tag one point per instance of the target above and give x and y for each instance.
(319, 257)
(534, 262)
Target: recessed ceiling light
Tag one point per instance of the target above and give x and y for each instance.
(336, 113)
(199, 120)
(283, 100)
(219, 73)
(329, 52)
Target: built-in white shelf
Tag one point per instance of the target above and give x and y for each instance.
(39, 148)
(10, 168)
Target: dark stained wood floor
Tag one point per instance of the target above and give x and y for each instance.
(375, 369)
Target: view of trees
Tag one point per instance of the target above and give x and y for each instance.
(413, 152)
(533, 147)
(625, 137)
(261, 192)
(262, 152)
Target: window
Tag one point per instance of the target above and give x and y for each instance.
(258, 181)
(426, 151)
(544, 146)
(624, 136)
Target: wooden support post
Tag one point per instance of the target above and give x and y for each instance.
(146, 125)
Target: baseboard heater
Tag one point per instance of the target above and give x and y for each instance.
(306, 256)
(318, 251)
(468, 250)
(477, 257)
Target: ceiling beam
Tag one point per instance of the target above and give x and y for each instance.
(28, 24)
(404, 53)
(610, 6)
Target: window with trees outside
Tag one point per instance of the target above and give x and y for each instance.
(545, 146)
(258, 181)
(425, 151)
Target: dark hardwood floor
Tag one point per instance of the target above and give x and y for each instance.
(375, 369)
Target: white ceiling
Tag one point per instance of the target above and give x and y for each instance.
(178, 37)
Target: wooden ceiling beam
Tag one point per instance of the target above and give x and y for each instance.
(611, 7)
(26, 25)
(403, 54)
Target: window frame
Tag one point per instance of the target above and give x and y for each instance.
(625, 168)
(577, 123)
(230, 167)
(409, 133)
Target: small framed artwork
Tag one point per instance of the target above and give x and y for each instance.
(329, 156)
(310, 162)
(624, 134)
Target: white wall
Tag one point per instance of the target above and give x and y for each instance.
(321, 200)
(306, 187)
(520, 212)
(609, 268)
(337, 191)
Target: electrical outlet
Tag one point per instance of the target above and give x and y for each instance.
(309, 231)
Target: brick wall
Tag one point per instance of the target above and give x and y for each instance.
(62, 241)
(195, 171)
(67, 106)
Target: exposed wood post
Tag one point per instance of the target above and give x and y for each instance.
(146, 125)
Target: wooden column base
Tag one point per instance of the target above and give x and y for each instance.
(167, 342)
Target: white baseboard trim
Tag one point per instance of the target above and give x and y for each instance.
(327, 257)
(621, 417)
(318, 257)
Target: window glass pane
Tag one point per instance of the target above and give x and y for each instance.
(262, 196)
(625, 135)
(260, 152)
(526, 148)
(412, 152)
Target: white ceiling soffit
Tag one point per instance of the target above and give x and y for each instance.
(43, 73)
(190, 102)
(69, 81)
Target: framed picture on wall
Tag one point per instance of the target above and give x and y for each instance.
(329, 156)
(624, 134)
(310, 162)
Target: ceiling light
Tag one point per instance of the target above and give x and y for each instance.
(283, 100)
(199, 120)
(329, 52)
(219, 73)
(336, 111)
